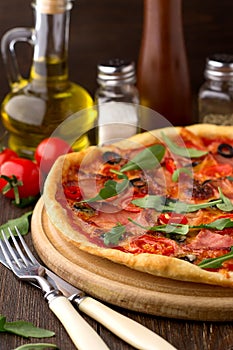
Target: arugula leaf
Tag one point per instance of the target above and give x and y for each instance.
(114, 235)
(218, 224)
(21, 222)
(177, 172)
(226, 204)
(2, 322)
(24, 329)
(215, 263)
(25, 202)
(149, 158)
(150, 201)
(111, 189)
(161, 204)
(181, 207)
(27, 329)
(40, 346)
(183, 151)
(170, 228)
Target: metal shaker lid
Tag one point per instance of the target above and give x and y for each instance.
(116, 72)
(219, 67)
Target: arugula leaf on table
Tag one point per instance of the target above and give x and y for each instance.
(24, 329)
(182, 151)
(39, 346)
(25, 202)
(114, 235)
(215, 263)
(21, 222)
(149, 158)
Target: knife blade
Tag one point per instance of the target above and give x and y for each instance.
(125, 328)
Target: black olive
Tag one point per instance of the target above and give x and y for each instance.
(193, 164)
(225, 150)
(138, 182)
(111, 157)
(82, 207)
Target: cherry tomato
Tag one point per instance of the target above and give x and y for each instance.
(6, 154)
(49, 150)
(170, 164)
(72, 192)
(152, 245)
(172, 218)
(21, 173)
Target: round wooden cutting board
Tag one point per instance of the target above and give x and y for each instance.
(124, 287)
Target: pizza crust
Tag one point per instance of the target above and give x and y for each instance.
(157, 265)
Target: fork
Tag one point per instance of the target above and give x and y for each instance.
(27, 268)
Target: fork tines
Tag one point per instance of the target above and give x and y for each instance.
(8, 249)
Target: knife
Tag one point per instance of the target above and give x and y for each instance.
(125, 328)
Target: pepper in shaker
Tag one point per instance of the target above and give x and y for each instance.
(215, 97)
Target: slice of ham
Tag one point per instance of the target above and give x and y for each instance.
(207, 239)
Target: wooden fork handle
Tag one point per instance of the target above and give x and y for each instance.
(82, 334)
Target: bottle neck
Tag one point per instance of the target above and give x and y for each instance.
(50, 43)
(162, 26)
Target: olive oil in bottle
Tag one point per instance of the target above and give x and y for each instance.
(36, 107)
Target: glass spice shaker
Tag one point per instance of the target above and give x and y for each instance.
(215, 97)
(117, 100)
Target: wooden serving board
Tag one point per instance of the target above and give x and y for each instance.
(124, 287)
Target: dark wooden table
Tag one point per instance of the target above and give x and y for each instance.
(20, 301)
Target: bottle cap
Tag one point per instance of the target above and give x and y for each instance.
(219, 67)
(116, 72)
(52, 7)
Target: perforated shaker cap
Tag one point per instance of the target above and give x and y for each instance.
(116, 72)
(219, 67)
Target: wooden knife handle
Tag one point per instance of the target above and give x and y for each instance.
(125, 328)
(82, 334)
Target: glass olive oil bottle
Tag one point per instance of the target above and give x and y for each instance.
(36, 107)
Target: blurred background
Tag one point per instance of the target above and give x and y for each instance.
(102, 29)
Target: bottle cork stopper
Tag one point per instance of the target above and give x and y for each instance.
(52, 6)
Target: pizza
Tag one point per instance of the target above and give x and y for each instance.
(160, 202)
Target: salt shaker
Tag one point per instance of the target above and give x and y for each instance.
(117, 100)
(215, 97)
